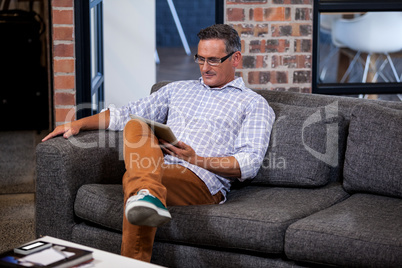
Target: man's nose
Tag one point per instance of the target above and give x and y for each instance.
(205, 67)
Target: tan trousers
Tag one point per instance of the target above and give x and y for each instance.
(173, 185)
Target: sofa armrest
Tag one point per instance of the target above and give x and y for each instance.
(63, 166)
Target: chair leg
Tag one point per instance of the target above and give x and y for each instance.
(395, 73)
(350, 67)
(366, 68)
(179, 27)
(325, 62)
(156, 56)
(393, 68)
(380, 73)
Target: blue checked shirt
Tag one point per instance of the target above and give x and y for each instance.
(215, 122)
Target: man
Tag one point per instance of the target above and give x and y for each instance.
(223, 130)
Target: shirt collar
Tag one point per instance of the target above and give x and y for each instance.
(236, 83)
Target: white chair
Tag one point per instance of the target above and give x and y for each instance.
(373, 32)
(327, 49)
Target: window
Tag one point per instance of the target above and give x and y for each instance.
(349, 52)
(89, 57)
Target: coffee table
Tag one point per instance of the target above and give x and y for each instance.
(103, 259)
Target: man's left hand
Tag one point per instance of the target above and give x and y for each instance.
(180, 150)
(223, 166)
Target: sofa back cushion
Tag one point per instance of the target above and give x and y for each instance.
(373, 160)
(306, 147)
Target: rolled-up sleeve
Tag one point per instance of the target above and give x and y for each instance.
(118, 118)
(252, 142)
(153, 107)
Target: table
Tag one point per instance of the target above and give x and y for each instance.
(102, 259)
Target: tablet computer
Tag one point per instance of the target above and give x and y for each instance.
(161, 131)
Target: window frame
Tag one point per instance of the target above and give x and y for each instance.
(89, 90)
(349, 6)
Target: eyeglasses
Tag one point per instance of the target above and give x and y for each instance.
(211, 61)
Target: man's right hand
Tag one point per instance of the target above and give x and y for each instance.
(97, 121)
(66, 130)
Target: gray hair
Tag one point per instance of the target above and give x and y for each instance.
(224, 32)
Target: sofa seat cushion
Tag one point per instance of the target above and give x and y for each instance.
(254, 218)
(315, 135)
(373, 160)
(362, 231)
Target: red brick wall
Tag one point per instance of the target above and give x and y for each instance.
(276, 42)
(63, 61)
(276, 39)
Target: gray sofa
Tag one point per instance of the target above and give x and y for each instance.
(328, 193)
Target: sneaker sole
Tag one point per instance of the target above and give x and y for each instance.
(146, 214)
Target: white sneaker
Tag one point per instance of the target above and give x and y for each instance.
(146, 210)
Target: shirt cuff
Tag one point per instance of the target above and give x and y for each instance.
(112, 120)
(249, 165)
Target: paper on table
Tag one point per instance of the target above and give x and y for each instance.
(47, 256)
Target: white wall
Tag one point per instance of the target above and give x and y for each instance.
(129, 47)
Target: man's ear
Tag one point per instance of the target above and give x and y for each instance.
(236, 58)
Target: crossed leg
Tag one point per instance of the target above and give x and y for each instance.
(173, 185)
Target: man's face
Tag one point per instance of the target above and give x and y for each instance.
(217, 76)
